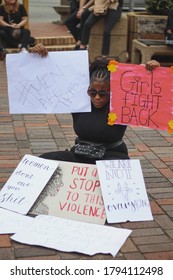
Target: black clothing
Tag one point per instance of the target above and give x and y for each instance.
(75, 25)
(9, 42)
(6, 32)
(169, 24)
(74, 5)
(121, 3)
(93, 127)
(110, 19)
(15, 17)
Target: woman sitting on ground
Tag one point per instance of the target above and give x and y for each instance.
(96, 139)
(13, 18)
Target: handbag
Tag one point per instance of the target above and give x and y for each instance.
(90, 150)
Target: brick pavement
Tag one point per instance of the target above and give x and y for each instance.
(35, 134)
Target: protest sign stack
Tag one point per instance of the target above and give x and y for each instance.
(55, 196)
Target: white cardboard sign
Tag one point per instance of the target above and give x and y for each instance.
(11, 222)
(73, 236)
(124, 193)
(73, 192)
(54, 84)
(26, 183)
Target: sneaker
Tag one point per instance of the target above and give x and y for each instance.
(76, 47)
(24, 50)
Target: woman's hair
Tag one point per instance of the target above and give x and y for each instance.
(8, 7)
(99, 71)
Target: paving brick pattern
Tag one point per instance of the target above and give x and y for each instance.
(35, 134)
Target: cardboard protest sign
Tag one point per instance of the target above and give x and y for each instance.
(26, 183)
(142, 98)
(54, 84)
(11, 222)
(124, 192)
(74, 193)
(73, 236)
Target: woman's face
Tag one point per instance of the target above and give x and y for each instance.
(99, 91)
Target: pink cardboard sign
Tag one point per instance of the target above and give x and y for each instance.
(142, 98)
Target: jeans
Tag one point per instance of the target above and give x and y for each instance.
(10, 42)
(74, 5)
(110, 19)
(170, 21)
(72, 21)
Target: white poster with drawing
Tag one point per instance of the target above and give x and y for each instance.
(11, 222)
(124, 191)
(53, 84)
(73, 192)
(26, 183)
(73, 236)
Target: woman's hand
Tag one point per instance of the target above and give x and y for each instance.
(40, 49)
(152, 64)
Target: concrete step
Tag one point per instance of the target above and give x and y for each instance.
(59, 40)
(59, 43)
(49, 48)
(60, 48)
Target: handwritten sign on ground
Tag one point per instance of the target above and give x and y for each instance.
(54, 84)
(124, 191)
(26, 183)
(73, 236)
(11, 222)
(142, 98)
(74, 193)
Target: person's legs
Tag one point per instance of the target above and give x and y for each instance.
(1, 47)
(25, 38)
(170, 21)
(71, 22)
(7, 40)
(2, 53)
(83, 19)
(67, 156)
(74, 5)
(111, 18)
(89, 23)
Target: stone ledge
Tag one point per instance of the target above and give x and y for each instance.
(62, 10)
(49, 48)
(118, 45)
(141, 52)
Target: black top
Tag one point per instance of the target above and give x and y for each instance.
(121, 3)
(93, 127)
(16, 17)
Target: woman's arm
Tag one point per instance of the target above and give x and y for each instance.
(152, 64)
(20, 24)
(3, 23)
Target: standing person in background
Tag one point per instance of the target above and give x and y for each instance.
(111, 11)
(73, 22)
(13, 18)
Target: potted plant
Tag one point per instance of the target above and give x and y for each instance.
(158, 7)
